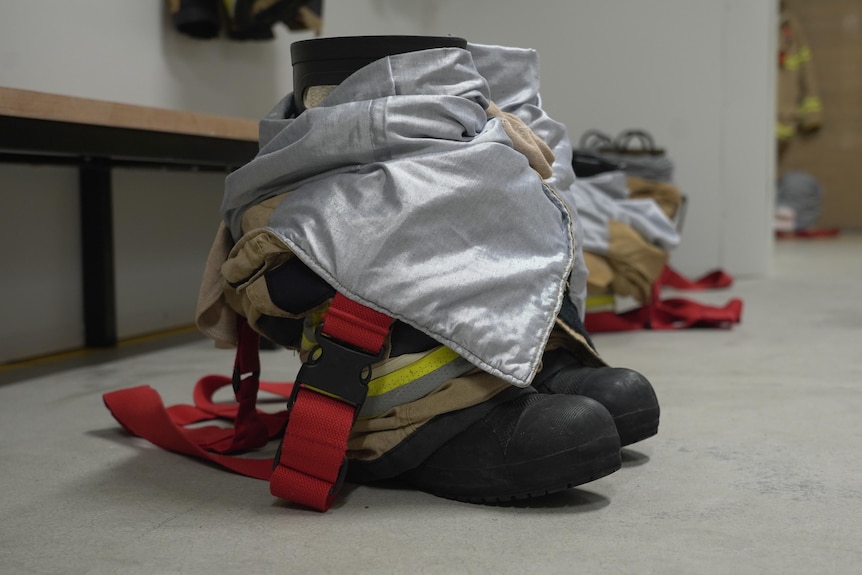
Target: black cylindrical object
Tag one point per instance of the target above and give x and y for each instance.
(328, 61)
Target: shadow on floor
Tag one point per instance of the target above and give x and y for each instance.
(632, 458)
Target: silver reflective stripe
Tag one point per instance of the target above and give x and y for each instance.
(376, 405)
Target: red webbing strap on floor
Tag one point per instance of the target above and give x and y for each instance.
(715, 279)
(314, 438)
(311, 458)
(673, 313)
(141, 411)
(679, 313)
(811, 233)
(609, 321)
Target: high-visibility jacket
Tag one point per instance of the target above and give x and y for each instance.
(799, 105)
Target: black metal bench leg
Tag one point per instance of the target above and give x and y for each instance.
(97, 253)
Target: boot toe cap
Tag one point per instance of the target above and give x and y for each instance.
(629, 397)
(530, 446)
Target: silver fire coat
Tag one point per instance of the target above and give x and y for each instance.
(405, 197)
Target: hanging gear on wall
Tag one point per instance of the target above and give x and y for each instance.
(800, 109)
(196, 18)
(244, 19)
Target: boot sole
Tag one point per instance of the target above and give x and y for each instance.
(530, 479)
(608, 467)
(637, 426)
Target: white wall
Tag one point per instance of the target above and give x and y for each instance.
(697, 73)
(128, 51)
(377, 17)
(164, 224)
(40, 261)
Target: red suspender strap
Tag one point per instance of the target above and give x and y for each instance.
(330, 389)
(715, 279)
(322, 408)
(674, 313)
(810, 233)
(141, 411)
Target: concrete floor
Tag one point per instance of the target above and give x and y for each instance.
(757, 467)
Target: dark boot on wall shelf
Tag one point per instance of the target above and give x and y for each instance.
(196, 18)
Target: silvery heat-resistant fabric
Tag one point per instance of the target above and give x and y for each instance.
(513, 78)
(604, 197)
(406, 198)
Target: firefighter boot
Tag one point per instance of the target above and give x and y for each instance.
(528, 446)
(626, 394)
(448, 428)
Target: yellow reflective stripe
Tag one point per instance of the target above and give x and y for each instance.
(307, 343)
(596, 302)
(784, 131)
(309, 327)
(391, 364)
(792, 62)
(810, 105)
(431, 361)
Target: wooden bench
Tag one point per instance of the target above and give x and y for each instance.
(96, 136)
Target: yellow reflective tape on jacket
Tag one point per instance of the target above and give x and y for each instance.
(811, 105)
(600, 302)
(419, 368)
(792, 62)
(309, 327)
(307, 343)
(411, 377)
(784, 131)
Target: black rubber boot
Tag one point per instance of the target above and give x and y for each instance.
(532, 445)
(626, 394)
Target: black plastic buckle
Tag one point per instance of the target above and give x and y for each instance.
(336, 369)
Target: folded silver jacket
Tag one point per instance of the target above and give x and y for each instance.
(604, 197)
(405, 197)
(513, 77)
